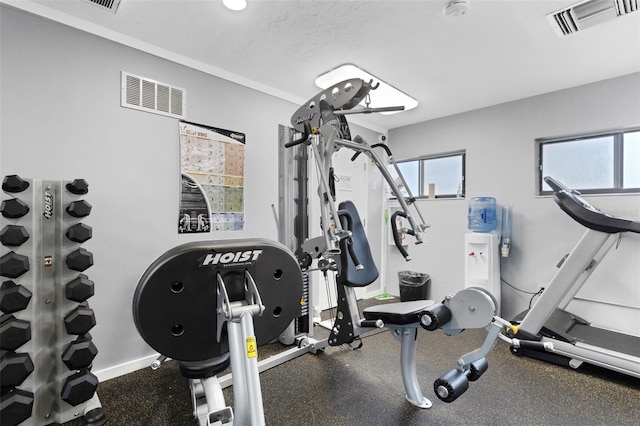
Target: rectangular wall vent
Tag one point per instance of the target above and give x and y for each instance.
(111, 5)
(152, 96)
(589, 13)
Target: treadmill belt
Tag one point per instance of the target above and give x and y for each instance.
(607, 339)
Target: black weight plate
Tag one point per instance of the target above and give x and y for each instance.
(175, 303)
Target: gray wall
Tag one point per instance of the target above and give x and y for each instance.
(499, 142)
(61, 119)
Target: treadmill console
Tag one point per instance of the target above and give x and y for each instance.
(590, 216)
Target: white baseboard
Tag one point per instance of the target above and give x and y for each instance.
(126, 368)
(380, 293)
(374, 293)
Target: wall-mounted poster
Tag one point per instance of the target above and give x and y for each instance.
(212, 182)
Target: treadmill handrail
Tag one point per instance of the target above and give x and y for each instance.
(586, 214)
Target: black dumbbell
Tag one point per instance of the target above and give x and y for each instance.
(16, 406)
(80, 288)
(79, 353)
(78, 187)
(79, 208)
(14, 183)
(15, 368)
(79, 387)
(13, 235)
(79, 260)
(13, 297)
(79, 233)
(13, 208)
(12, 265)
(13, 332)
(80, 320)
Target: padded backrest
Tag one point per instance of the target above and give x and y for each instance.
(349, 276)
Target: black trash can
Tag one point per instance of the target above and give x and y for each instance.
(413, 285)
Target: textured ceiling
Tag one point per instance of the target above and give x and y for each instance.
(499, 52)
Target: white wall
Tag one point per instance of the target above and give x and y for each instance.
(499, 142)
(61, 119)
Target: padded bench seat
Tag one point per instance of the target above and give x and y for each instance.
(400, 313)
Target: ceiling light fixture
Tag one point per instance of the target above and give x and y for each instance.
(383, 96)
(236, 5)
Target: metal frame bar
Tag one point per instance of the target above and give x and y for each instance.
(565, 278)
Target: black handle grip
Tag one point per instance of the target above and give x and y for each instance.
(381, 145)
(370, 323)
(303, 138)
(375, 145)
(347, 223)
(357, 139)
(396, 237)
(353, 255)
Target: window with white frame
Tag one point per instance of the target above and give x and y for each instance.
(443, 172)
(603, 163)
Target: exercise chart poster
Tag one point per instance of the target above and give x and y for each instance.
(212, 179)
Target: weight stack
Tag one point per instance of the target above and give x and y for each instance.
(46, 348)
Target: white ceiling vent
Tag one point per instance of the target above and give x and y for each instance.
(111, 5)
(152, 96)
(589, 13)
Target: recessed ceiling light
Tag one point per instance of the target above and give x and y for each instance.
(236, 5)
(383, 96)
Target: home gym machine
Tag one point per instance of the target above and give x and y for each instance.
(547, 331)
(211, 304)
(319, 130)
(343, 247)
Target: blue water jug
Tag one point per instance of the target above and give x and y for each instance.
(482, 214)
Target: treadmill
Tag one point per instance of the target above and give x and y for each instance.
(550, 333)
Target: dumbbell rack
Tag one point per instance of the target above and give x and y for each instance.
(45, 346)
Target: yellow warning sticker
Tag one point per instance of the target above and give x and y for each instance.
(252, 347)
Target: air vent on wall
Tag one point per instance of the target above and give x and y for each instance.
(111, 5)
(152, 96)
(589, 13)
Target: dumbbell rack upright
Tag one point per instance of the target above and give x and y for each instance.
(45, 346)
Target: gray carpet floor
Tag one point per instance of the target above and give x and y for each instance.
(341, 386)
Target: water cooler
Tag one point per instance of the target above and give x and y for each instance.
(482, 263)
(482, 254)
